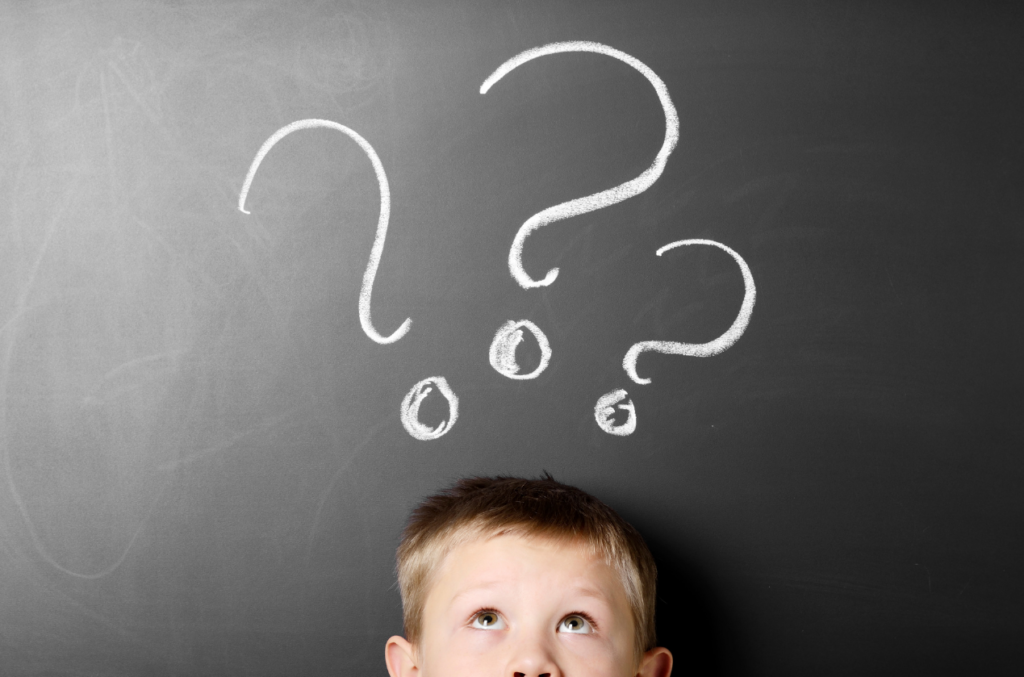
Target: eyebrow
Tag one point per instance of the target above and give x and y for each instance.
(590, 592)
(582, 591)
(482, 587)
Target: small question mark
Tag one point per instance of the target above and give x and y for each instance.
(604, 198)
(604, 410)
(382, 222)
(720, 344)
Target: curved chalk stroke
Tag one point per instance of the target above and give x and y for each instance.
(604, 411)
(720, 344)
(605, 198)
(410, 411)
(503, 349)
(382, 222)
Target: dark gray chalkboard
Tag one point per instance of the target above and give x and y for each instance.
(203, 470)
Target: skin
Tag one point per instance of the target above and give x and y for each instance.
(510, 606)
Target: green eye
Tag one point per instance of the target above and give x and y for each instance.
(488, 620)
(575, 624)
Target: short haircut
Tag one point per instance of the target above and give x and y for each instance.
(485, 507)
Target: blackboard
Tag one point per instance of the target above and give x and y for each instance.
(204, 465)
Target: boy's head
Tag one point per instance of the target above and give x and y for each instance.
(508, 575)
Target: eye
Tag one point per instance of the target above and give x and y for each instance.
(488, 620)
(576, 624)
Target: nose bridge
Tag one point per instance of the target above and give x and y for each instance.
(533, 654)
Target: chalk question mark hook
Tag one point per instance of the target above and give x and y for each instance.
(604, 198)
(382, 222)
(720, 344)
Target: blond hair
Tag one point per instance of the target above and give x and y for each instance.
(491, 506)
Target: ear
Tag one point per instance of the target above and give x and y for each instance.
(656, 663)
(400, 656)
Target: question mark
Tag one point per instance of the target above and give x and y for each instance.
(604, 198)
(715, 347)
(382, 222)
(604, 410)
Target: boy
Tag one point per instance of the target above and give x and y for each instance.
(508, 577)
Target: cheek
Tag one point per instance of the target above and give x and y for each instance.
(465, 652)
(478, 642)
(596, 658)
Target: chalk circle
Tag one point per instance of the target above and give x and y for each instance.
(410, 411)
(503, 349)
(604, 412)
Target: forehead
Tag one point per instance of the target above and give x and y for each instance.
(512, 562)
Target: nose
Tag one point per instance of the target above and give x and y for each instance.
(539, 671)
(533, 657)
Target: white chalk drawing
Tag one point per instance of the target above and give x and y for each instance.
(503, 349)
(410, 411)
(604, 198)
(382, 222)
(720, 344)
(502, 352)
(604, 412)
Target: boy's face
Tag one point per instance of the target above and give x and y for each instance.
(511, 606)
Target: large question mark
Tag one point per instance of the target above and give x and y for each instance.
(382, 222)
(605, 198)
(720, 344)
